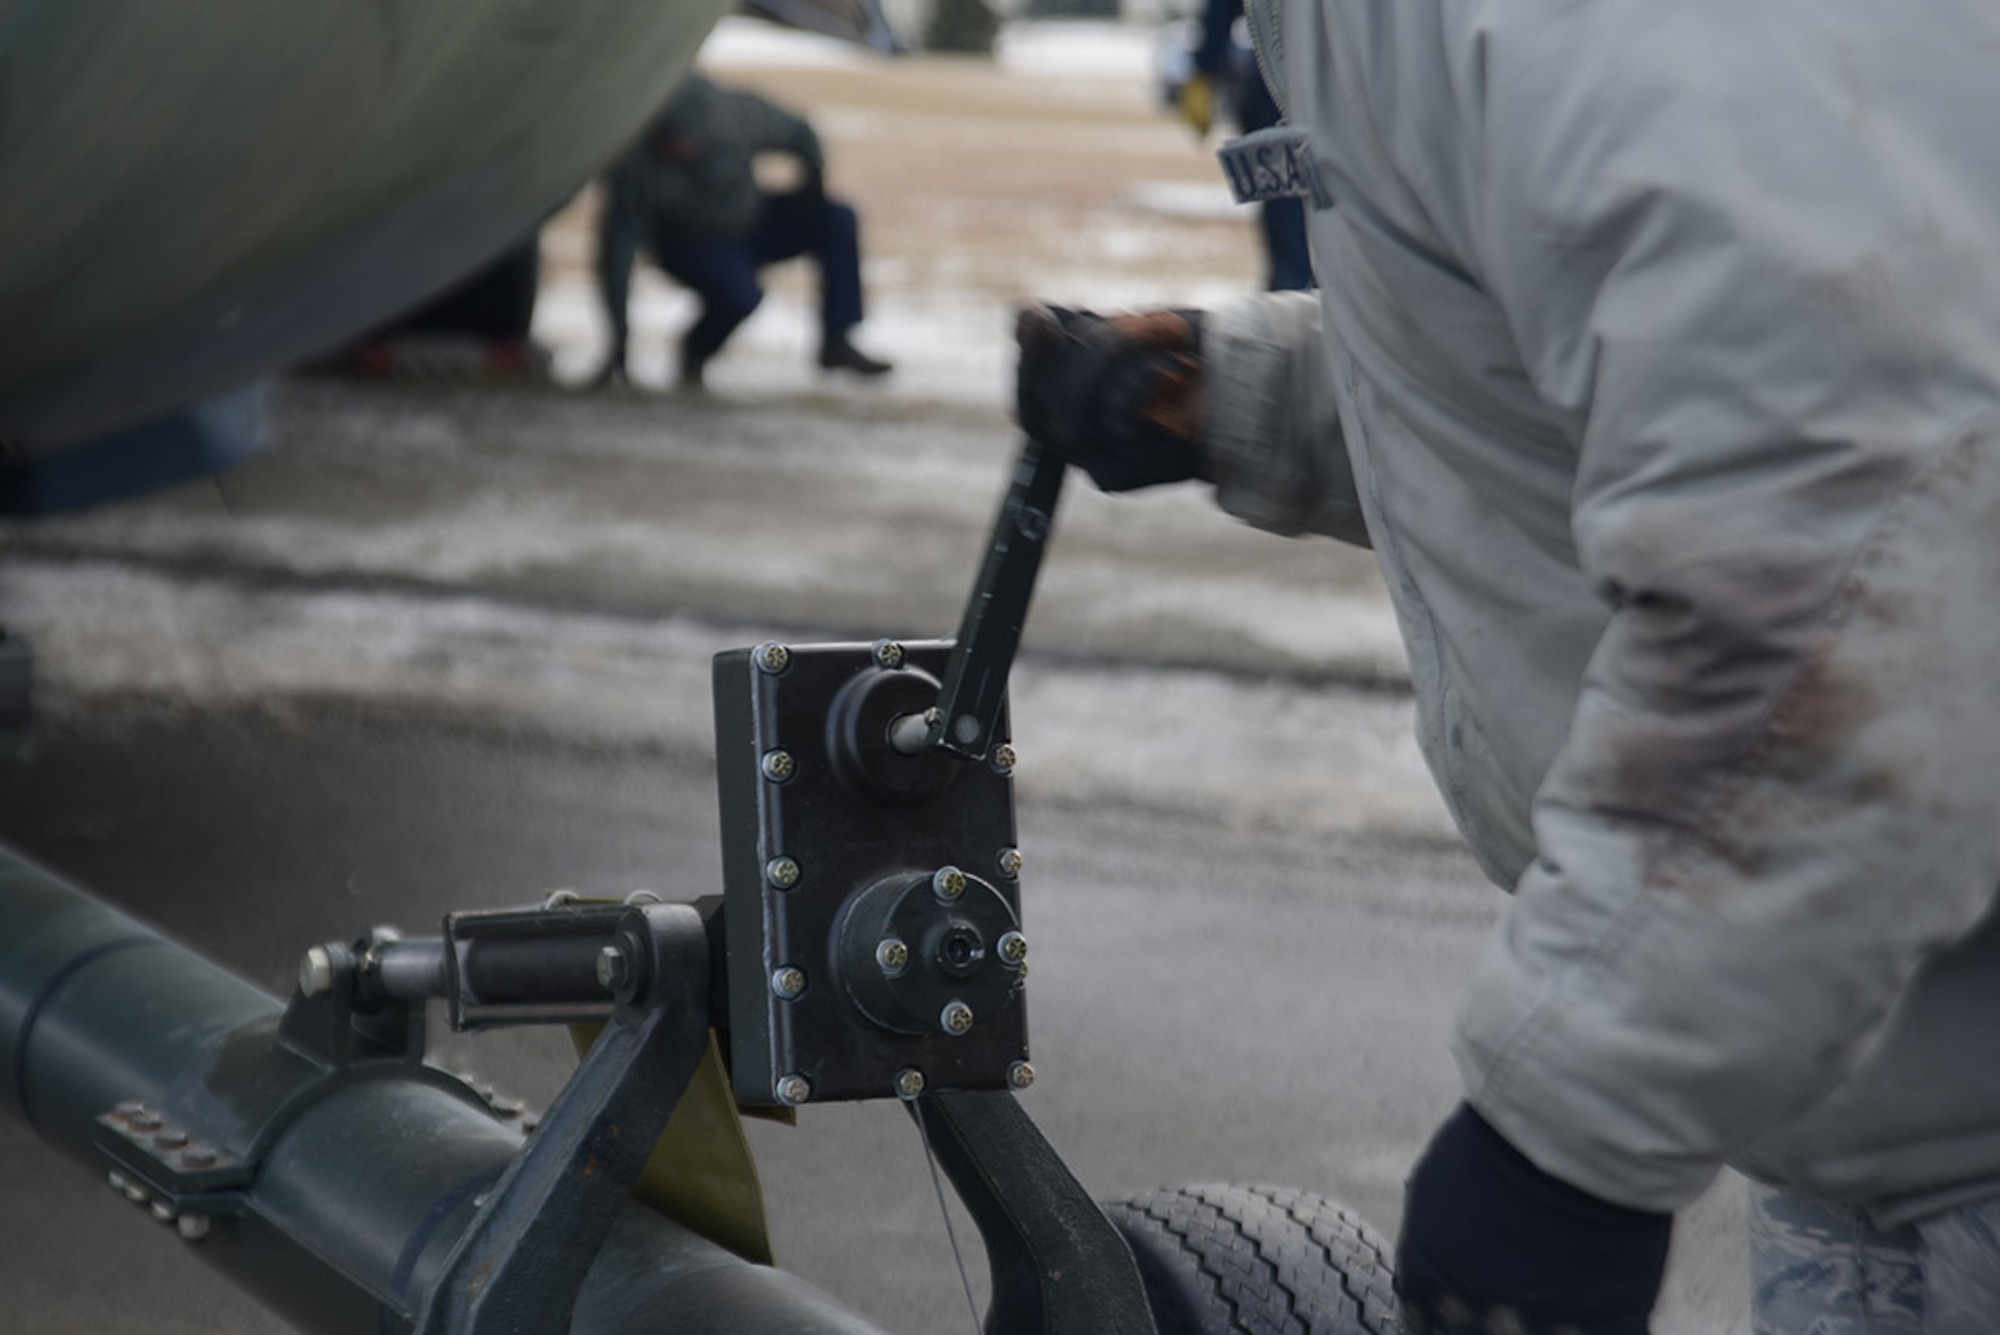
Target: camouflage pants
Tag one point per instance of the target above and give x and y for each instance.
(1823, 1270)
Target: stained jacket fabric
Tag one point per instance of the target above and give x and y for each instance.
(690, 177)
(1659, 362)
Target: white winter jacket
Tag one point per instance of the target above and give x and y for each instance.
(1659, 362)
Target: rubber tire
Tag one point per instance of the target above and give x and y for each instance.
(1237, 1260)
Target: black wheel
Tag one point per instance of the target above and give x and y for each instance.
(1229, 1260)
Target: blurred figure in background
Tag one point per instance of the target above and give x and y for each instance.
(478, 328)
(1225, 70)
(687, 193)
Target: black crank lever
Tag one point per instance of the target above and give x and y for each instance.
(975, 679)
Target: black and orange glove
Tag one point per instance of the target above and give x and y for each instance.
(1119, 396)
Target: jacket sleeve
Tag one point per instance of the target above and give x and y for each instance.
(1270, 436)
(1777, 796)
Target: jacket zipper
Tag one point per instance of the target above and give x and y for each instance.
(1267, 35)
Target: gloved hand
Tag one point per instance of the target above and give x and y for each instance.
(1197, 103)
(1487, 1233)
(1118, 396)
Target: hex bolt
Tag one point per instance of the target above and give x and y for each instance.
(163, 1212)
(1013, 948)
(198, 1158)
(1009, 862)
(888, 654)
(316, 972)
(192, 1227)
(118, 1181)
(789, 982)
(779, 766)
(948, 884)
(144, 1120)
(1020, 1075)
(909, 1083)
(892, 955)
(956, 1018)
(614, 970)
(782, 873)
(561, 899)
(794, 1089)
(126, 1107)
(772, 657)
(136, 1193)
(1005, 758)
(171, 1140)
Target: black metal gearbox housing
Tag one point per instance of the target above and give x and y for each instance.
(830, 840)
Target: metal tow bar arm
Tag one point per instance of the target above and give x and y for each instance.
(519, 1268)
(975, 682)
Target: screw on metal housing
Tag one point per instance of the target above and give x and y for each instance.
(316, 971)
(614, 970)
(772, 657)
(1013, 948)
(909, 1083)
(888, 654)
(948, 883)
(956, 1018)
(1020, 1075)
(779, 766)
(789, 982)
(1005, 758)
(782, 873)
(892, 955)
(792, 1090)
(1009, 862)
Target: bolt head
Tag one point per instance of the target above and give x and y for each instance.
(118, 1182)
(909, 1083)
(1020, 1075)
(956, 1018)
(136, 1193)
(948, 883)
(792, 1090)
(789, 982)
(144, 1120)
(614, 970)
(782, 873)
(171, 1140)
(163, 1212)
(1013, 948)
(1005, 758)
(888, 654)
(196, 1158)
(779, 766)
(1009, 862)
(892, 955)
(192, 1227)
(316, 972)
(772, 657)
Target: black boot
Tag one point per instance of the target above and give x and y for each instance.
(837, 354)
